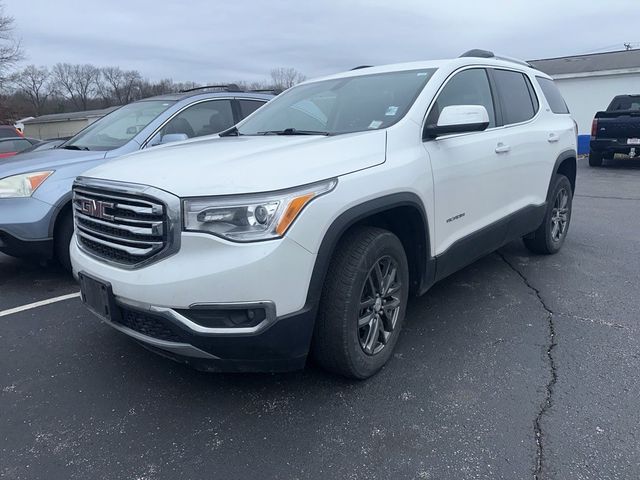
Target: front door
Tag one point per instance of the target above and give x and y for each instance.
(470, 180)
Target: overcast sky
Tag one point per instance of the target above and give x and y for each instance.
(211, 40)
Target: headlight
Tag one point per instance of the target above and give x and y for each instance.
(246, 218)
(22, 185)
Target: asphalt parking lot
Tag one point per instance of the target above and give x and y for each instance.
(517, 366)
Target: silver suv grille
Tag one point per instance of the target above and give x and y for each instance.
(121, 227)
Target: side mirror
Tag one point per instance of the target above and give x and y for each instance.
(458, 119)
(173, 137)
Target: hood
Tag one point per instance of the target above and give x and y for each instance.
(249, 164)
(44, 160)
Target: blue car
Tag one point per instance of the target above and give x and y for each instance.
(35, 188)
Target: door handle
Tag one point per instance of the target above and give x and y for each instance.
(553, 137)
(502, 148)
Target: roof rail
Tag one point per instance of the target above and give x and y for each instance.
(231, 87)
(478, 53)
(275, 91)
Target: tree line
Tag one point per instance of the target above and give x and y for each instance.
(38, 90)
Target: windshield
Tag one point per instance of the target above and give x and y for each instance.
(117, 128)
(329, 107)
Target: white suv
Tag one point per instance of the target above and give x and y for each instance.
(305, 228)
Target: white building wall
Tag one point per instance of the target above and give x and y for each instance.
(48, 130)
(587, 95)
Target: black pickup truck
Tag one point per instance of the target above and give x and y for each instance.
(616, 130)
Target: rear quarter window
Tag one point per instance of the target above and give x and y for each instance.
(553, 95)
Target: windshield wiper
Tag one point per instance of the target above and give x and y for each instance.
(74, 147)
(292, 131)
(232, 132)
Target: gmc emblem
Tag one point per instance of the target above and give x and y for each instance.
(96, 209)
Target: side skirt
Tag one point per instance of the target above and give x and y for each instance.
(478, 244)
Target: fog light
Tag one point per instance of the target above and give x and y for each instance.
(225, 318)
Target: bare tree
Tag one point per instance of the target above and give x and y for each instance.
(10, 49)
(283, 78)
(161, 87)
(79, 83)
(180, 86)
(264, 85)
(34, 83)
(121, 85)
(259, 85)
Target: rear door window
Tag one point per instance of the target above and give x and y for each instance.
(518, 99)
(247, 107)
(553, 95)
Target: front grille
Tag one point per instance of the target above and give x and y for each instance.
(122, 228)
(149, 325)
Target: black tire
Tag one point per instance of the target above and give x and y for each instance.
(546, 239)
(341, 344)
(62, 239)
(595, 159)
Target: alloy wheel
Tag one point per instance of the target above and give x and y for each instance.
(379, 305)
(560, 215)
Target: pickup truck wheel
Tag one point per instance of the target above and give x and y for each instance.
(62, 239)
(595, 159)
(363, 303)
(550, 236)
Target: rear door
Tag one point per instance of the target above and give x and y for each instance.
(529, 139)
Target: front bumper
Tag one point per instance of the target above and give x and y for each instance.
(18, 247)
(25, 227)
(208, 272)
(281, 346)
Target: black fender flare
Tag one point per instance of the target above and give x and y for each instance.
(349, 218)
(63, 203)
(565, 155)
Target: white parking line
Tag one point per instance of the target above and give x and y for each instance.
(41, 303)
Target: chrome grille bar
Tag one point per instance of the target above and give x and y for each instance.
(117, 246)
(153, 228)
(125, 224)
(112, 196)
(115, 238)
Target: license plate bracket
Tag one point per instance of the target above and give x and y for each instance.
(98, 297)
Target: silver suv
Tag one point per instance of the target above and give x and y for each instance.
(35, 188)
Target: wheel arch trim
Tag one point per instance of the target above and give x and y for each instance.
(351, 217)
(569, 154)
(64, 202)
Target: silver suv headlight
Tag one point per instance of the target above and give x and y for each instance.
(22, 185)
(253, 217)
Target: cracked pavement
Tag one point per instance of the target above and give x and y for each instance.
(519, 366)
(553, 373)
